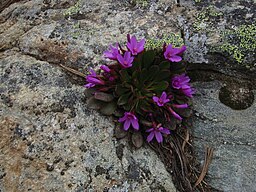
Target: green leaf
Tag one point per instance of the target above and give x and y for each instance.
(137, 139)
(143, 75)
(124, 75)
(120, 90)
(123, 99)
(108, 108)
(145, 106)
(148, 58)
(153, 71)
(163, 75)
(177, 67)
(103, 96)
(161, 86)
(165, 65)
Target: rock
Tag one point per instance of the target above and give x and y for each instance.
(51, 141)
(232, 135)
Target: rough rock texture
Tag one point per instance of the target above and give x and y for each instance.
(231, 133)
(51, 141)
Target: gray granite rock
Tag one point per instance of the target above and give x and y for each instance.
(232, 135)
(51, 141)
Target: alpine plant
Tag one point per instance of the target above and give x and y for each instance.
(147, 91)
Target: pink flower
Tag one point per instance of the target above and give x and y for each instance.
(105, 68)
(112, 53)
(162, 100)
(157, 133)
(126, 60)
(172, 54)
(178, 106)
(182, 82)
(129, 119)
(134, 46)
(93, 79)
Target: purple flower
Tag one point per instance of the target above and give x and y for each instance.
(182, 82)
(93, 80)
(134, 46)
(188, 91)
(176, 115)
(157, 133)
(162, 100)
(180, 106)
(126, 60)
(172, 53)
(105, 68)
(112, 53)
(128, 119)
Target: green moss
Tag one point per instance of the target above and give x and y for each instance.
(73, 9)
(172, 38)
(239, 42)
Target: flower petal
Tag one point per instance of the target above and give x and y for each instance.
(150, 136)
(155, 99)
(159, 137)
(176, 115)
(175, 58)
(163, 96)
(135, 124)
(165, 131)
(150, 130)
(127, 124)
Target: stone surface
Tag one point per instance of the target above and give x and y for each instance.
(51, 141)
(232, 135)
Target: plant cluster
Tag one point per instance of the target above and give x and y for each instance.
(146, 89)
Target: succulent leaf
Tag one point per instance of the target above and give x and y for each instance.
(123, 99)
(148, 58)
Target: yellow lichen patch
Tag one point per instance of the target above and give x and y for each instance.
(239, 42)
(172, 38)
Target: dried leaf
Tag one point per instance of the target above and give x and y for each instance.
(108, 108)
(103, 96)
(119, 132)
(94, 103)
(146, 123)
(89, 92)
(137, 139)
(184, 112)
